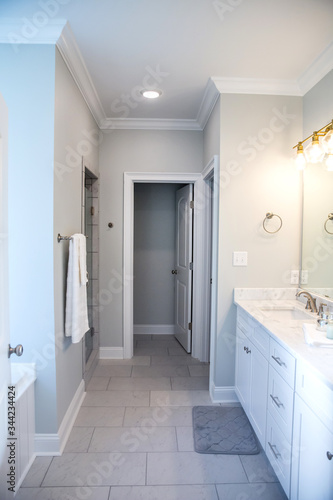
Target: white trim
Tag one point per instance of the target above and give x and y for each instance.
(317, 70)
(54, 444)
(223, 394)
(262, 86)
(129, 179)
(111, 353)
(154, 329)
(148, 124)
(73, 58)
(208, 102)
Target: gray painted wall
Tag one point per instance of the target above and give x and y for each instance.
(74, 129)
(132, 151)
(154, 253)
(257, 176)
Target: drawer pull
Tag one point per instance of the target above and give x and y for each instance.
(329, 455)
(275, 453)
(276, 400)
(278, 360)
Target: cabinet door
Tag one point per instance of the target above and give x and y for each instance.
(312, 466)
(243, 360)
(258, 393)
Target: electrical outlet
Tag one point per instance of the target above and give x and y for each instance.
(304, 276)
(294, 277)
(239, 259)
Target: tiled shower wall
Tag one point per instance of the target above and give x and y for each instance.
(92, 184)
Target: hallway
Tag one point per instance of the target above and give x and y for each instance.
(132, 438)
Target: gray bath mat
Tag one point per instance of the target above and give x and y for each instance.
(222, 429)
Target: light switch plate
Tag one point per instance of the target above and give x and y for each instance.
(239, 259)
(294, 277)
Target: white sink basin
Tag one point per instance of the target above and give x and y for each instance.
(286, 313)
(314, 337)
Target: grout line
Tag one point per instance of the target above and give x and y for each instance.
(146, 470)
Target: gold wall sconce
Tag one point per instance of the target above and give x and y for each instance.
(320, 148)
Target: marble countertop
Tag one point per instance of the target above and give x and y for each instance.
(289, 333)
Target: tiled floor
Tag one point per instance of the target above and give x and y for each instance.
(133, 440)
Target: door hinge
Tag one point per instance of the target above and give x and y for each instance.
(190, 326)
(191, 204)
(191, 266)
(92, 211)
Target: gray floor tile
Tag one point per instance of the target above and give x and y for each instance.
(163, 337)
(258, 468)
(63, 493)
(158, 342)
(199, 370)
(116, 398)
(79, 440)
(100, 416)
(37, 472)
(190, 383)
(160, 371)
(185, 438)
(193, 468)
(179, 492)
(134, 439)
(80, 469)
(258, 491)
(139, 383)
(176, 350)
(174, 360)
(179, 398)
(98, 384)
(113, 371)
(153, 350)
(135, 361)
(158, 416)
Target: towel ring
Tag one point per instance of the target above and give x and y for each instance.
(329, 217)
(269, 216)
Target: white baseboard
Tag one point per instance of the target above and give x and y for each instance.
(154, 329)
(54, 444)
(111, 353)
(223, 394)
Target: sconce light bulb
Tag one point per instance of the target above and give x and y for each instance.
(313, 151)
(327, 142)
(300, 161)
(329, 163)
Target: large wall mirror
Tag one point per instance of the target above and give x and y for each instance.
(317, 243)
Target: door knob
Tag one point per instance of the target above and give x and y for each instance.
(174, 271)
(18, 350)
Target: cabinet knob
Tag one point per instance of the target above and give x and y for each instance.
(329, 455)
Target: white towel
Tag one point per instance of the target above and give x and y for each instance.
(76, 324)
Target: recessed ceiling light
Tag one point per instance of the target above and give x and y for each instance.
(151, 94)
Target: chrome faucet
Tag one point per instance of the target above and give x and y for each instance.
(311, 303)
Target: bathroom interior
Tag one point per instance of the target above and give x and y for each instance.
(67, 176)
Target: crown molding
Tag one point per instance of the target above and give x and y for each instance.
(148, 124)
(320, 67)
(261, 86)
(208, 102)
(72, 56)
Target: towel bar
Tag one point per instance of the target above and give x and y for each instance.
(60, 238)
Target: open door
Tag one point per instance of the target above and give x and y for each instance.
(183, 268)
(4, 309)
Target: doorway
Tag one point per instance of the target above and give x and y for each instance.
(162, 260)
(201, 276)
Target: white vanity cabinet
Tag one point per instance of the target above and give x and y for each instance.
(312, 464)
(252, 373)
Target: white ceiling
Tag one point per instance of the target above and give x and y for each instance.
(124, 43)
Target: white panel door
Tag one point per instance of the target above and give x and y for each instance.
(183, 272)
(4, 328)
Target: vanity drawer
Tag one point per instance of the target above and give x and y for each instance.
(315, 393)
(283, 362)
(278, 451)
(280, 402)
(260, 339)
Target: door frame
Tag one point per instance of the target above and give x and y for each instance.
(201, 277)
